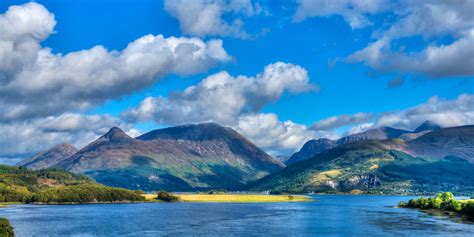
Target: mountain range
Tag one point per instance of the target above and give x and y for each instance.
(209, 156)
(439, 160)
(182, 158)
(314, 147)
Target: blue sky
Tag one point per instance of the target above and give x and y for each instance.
(320, 41)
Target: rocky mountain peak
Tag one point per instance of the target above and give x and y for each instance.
(427, 126)
(115, 133)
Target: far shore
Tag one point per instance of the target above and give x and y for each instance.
(235, 198)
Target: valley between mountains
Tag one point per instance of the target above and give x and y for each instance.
(208, 156)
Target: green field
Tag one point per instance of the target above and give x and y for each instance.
(236, 198)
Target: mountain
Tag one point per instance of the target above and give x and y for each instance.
(438, 160)
(427, 126)
(454, 141)
(373, 134)
(50, 157)
(311, 148)
(182, 158)
(314, 147)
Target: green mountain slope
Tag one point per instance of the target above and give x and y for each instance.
(372, 167)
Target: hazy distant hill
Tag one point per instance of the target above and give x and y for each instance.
(183, 158)
(438, 160)
(49, 157)
(314, 147)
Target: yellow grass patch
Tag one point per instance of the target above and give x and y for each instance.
(325, 176)
(374, 166)
(4, 204)
(149, 197)
(356, 191)
(377, 160)
(49, 182)
(235, 198)
(467, 200)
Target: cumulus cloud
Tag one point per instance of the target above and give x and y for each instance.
(447, 113)
(275, 136)
(455, 59)
(360, 128)
(222, 98)
(35, 82)
(23, 138)
(213, 17)
(341, 120)
(355, 12)
(431, 20)
(235, 102)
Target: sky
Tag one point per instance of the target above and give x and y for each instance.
(279, 72)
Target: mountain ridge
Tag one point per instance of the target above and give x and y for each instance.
(182, 158)
(312, 148)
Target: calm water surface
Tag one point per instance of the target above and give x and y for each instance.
(331, 215)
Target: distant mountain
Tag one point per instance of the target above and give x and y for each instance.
(282, 158)
(182, 158)
(439, 160)
(49, 157)
(373, 134)
(455, 141)
(427, 126)
(312, 148)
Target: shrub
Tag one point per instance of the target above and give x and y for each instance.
(455, 205)
(403, 204)
(446, 196)
(469, 209)
(166, 197)
(436, 202)
(6, 229)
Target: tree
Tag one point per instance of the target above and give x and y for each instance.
(6, 229)
(436, 202)
(446, 196)
(166, 197)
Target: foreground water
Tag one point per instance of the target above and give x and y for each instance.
(330, 215)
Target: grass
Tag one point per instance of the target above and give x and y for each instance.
(466, 200)
(235, 198)
(4, 204)
(322, 177)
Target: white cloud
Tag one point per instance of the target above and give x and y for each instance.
(235, 102)
(431, 20)
(447, 113)
(275, 136)
(455, 59)
(222, 98)
(341, 120)
(22, 138)
(360, 128)
(355, 12)
(35, 82)
(213, 17)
